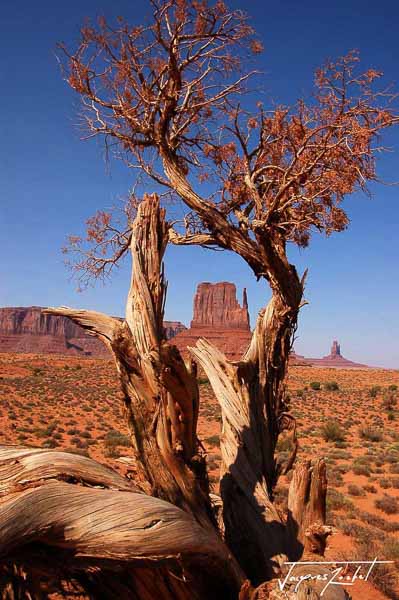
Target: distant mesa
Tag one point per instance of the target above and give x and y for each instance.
(172, 328)
(217, 316)
(334, 359)
(30, 330)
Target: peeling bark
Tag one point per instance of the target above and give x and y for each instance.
(254, 529)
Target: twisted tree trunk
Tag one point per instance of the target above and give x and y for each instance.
(252, 392)
(160, 390)
(252, 395)
(171, 537)
(65, 517)
(161, 403)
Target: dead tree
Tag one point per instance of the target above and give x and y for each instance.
(114, 538)
(168, 99)
(160, 391)
(307, 508)
(43, 504)
(158, 96)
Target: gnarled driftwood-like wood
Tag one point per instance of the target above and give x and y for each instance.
(161, 401)
(90, 519)
(160, 390)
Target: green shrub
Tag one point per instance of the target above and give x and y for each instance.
(315, 385)
(337, 501)
(350, 528)
(359, 469)
(116, 438)
(378, 522)
(385, 483)
(391, 549)
(373, 391)
(388, 504)
(341, 444)
(284, 444)
(390, 401)
(384, 578)
(111, 452)
(340, 454)
(51, 443)
(335, 476)
(331, 386)
(213, 440)
(355, 490)
(332, 432)
(370, 488)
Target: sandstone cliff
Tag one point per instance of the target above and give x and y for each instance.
(31, 320)
(172, 328)
(217, 316)
(29, 330)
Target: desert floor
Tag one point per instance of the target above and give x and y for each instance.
(352, 421)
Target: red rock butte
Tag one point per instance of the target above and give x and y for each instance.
(218, 317)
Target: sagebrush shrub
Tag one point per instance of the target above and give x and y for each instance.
(388, 504)
(332, 432)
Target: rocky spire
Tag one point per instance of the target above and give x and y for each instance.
(335, 349)
(245, 299)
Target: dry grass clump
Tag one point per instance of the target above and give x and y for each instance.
(355, 490)
(371, 434)
(388, 504)
(332, 432)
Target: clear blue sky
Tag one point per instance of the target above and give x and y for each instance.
(51, 181)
